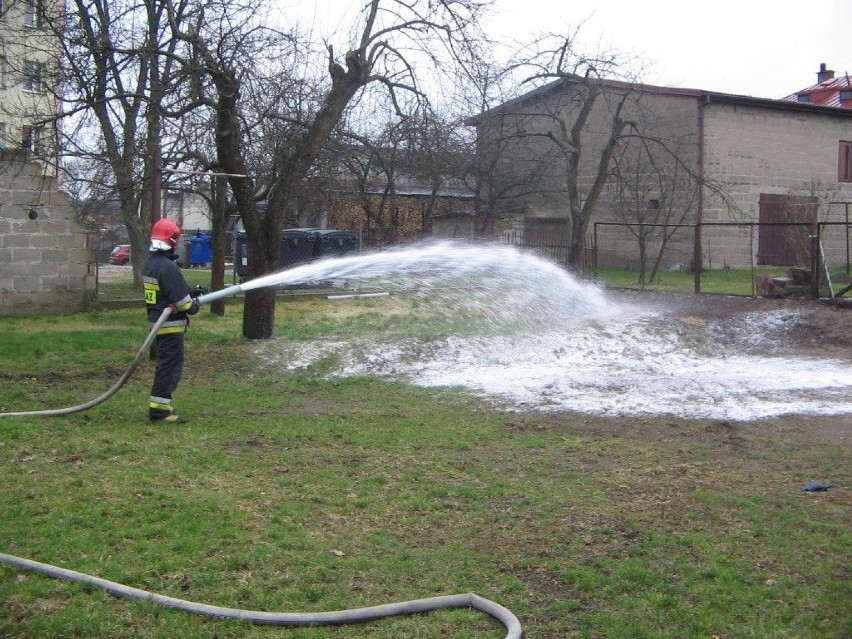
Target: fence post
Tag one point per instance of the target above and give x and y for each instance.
(751, 257)
(814, 237)
(697, 259)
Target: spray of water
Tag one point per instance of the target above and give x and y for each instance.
(522, 329)
(492, 285)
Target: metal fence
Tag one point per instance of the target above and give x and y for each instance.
(735, 258)
(778, 258)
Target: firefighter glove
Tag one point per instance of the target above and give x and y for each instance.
(199, 290)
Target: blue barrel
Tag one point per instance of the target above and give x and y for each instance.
(200, 250)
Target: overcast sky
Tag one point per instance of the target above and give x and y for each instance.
(764, 48)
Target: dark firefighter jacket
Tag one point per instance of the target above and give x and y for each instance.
(164, 284)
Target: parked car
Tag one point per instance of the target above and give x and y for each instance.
(120, 254)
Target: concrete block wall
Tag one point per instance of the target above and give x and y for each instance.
(44, 261)
(750, 150)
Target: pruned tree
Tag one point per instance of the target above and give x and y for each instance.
(120, 78)
(392, 34)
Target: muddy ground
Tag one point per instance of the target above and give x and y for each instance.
(820, 329)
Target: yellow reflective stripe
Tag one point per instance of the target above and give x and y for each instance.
(184, 304)
(151, 290)
(172, 329)
(160, 406)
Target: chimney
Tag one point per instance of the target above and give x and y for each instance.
(824, 74)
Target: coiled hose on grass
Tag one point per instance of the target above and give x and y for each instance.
(290, 619)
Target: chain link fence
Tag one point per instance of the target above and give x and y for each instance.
(775, 259)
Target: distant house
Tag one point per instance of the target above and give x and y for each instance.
(385, 195)
(828, 91)
(686, 156)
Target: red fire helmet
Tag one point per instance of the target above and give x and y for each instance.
(167, 232)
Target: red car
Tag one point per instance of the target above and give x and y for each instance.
(120, 254)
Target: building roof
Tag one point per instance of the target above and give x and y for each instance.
(706, 97)
(828, 91)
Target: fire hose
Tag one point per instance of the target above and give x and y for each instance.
(146, 345)
(289, 619)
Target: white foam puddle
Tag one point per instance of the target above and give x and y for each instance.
(636, 364)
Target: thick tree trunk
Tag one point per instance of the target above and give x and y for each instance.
(259, 313)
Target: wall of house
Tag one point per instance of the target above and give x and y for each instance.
(669, 127)
(44, 262)
(751, 150)
(533, 168)
(29, 75)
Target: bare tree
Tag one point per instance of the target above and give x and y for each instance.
(654, 193)
(585, 104)
(391, 31)
(504, 172)
(119, 79)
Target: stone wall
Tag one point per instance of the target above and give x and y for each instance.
(44, 262)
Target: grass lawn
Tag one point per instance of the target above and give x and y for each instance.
(726, 281)
(293, 492)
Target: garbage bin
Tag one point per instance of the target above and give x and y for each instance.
(200, 250)
(334, 243)
(240, 256)
(298, 246)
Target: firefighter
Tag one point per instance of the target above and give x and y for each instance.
(165, 286)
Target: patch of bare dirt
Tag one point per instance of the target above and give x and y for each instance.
(818, 326)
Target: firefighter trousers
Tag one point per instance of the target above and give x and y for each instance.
(167, 375)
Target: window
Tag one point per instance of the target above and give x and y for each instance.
(33, 13)
(33, 139)
(845, 94)
(2, 135)
(4, 65)
(803, 97)
(33, 77)
(844, 162)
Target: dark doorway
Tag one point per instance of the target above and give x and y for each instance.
(780, 245)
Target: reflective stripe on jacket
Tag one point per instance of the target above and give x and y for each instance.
(164, 284)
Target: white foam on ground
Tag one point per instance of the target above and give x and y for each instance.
(634, 364)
